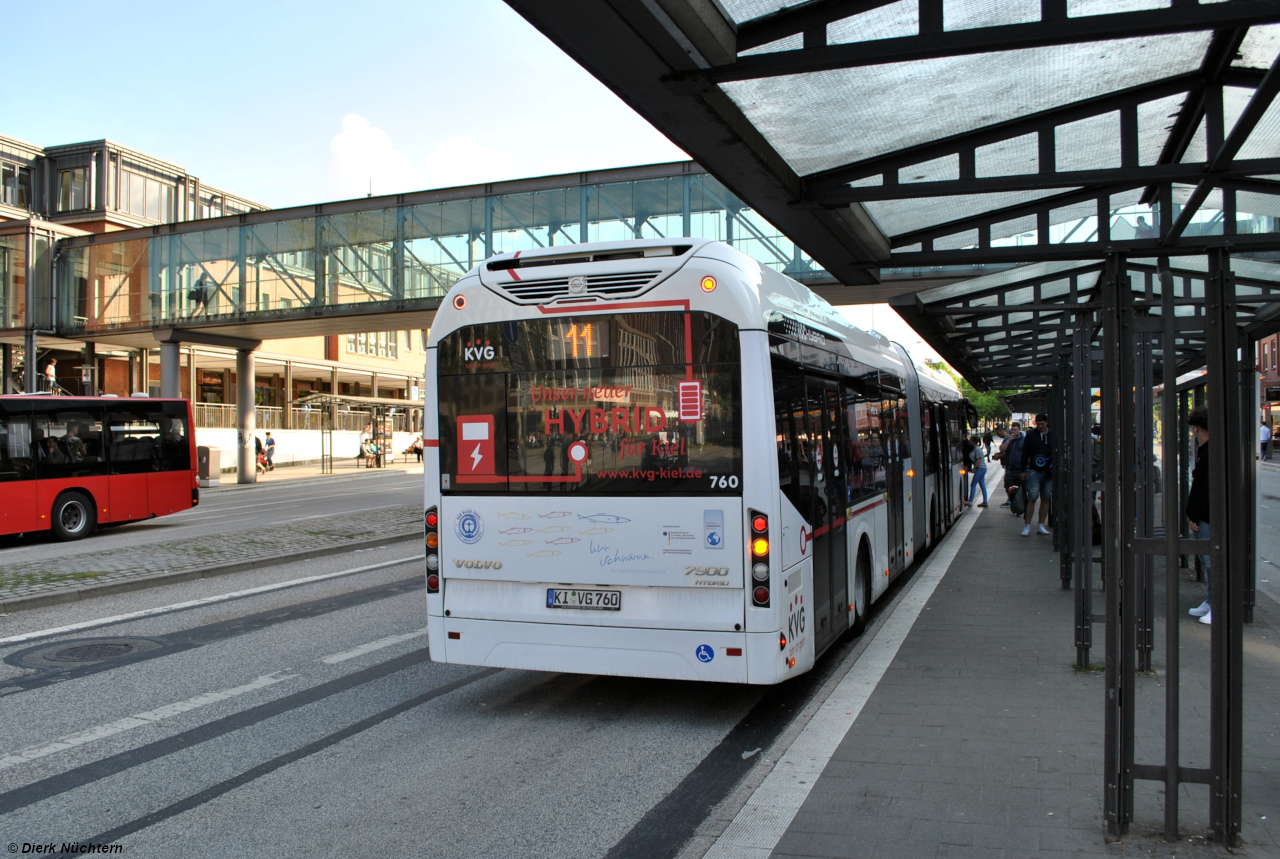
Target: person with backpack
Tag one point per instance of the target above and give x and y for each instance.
(1036, 468)
(978, 462)
(1009, 456)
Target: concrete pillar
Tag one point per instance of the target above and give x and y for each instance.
(286, 398)
(246, 418)
(30, 375)
(93, 384)
(171, 370)
(193, 386)
(144, 371)
(6, 367)
(373, 384)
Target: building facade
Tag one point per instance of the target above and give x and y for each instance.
(48, 193)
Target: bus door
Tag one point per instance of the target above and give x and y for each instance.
(895, 451)
(131, 442)
(830, 495)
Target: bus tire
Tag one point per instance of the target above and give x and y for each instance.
(73, 516)
(861, 591)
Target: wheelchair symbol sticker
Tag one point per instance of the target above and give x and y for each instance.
(705, 653)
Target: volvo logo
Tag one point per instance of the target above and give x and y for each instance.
(478, 565)
(577, 285)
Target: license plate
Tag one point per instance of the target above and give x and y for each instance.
(592, 600)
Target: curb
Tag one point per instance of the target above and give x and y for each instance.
(144, 582)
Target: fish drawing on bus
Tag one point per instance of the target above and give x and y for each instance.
(562, 541)
(514, 516)
(516, 531)
(595, 532)
(554, 514)
(553, 529)
(544, 553)
(514, 543)
(605, 519)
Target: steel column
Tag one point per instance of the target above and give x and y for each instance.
(1172, 427)
(1081, 480)
(1117, 478)
(1229, 461)
(246, 418)
(6, 367)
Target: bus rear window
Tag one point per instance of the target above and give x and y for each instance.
(644, 403)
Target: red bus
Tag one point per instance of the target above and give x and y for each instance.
(73, 463)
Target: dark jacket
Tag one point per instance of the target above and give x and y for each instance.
(1198, 497)
(1036, 446)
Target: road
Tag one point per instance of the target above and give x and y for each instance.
(311, 718)
(228, 510)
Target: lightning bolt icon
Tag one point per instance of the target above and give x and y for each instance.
(476, 456)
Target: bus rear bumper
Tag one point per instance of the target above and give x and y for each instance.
(620, 651)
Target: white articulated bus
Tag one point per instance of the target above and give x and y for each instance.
(660, 458)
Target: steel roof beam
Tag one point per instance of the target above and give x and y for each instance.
(1178, 18)
(1155, 173)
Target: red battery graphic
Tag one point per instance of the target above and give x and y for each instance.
(690, 394)
(475, 444)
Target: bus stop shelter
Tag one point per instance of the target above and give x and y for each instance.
(1120, 157)
(377, 412)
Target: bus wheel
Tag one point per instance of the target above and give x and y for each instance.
(861, 592)
(73, 516)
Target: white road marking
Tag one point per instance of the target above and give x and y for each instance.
(763, 821)
(150, 717)
(148, 612)
(372, 646)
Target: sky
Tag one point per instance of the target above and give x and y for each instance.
(290, 103)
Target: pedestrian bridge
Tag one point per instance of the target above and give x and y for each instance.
(324, 269)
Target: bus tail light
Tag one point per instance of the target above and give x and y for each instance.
(782, 641)
(759, 558)
(195, 496)
(432, 521)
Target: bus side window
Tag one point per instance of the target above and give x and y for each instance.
(70, 442)
(788, 407)
(16, 462)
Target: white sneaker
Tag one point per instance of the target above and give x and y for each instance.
(1026, 530)
(1200, 610)
(1208, 618)
(1042, 530)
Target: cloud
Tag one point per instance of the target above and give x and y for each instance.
(459, 160)
(362, 155)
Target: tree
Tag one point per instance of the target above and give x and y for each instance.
(988, 404)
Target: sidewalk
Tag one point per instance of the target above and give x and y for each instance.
(982, 740)
(49, 582)
(312, 472)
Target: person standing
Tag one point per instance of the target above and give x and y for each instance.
(270, 449)
(1036, 468)
(1264, 434)
(986, 441)
(1009, 455)
(1198, 505)
(978, 462)
(51, 376)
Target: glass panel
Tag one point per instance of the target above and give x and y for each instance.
(13, 281)
(888, 22)
(17, 454)
(968, 14)
(73, 189)
(1011, 157)
(1260, 47)
(597, 405)
(895, 217)
(1089, 144)
(938, 170)
(69, 443)
(822, 120)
